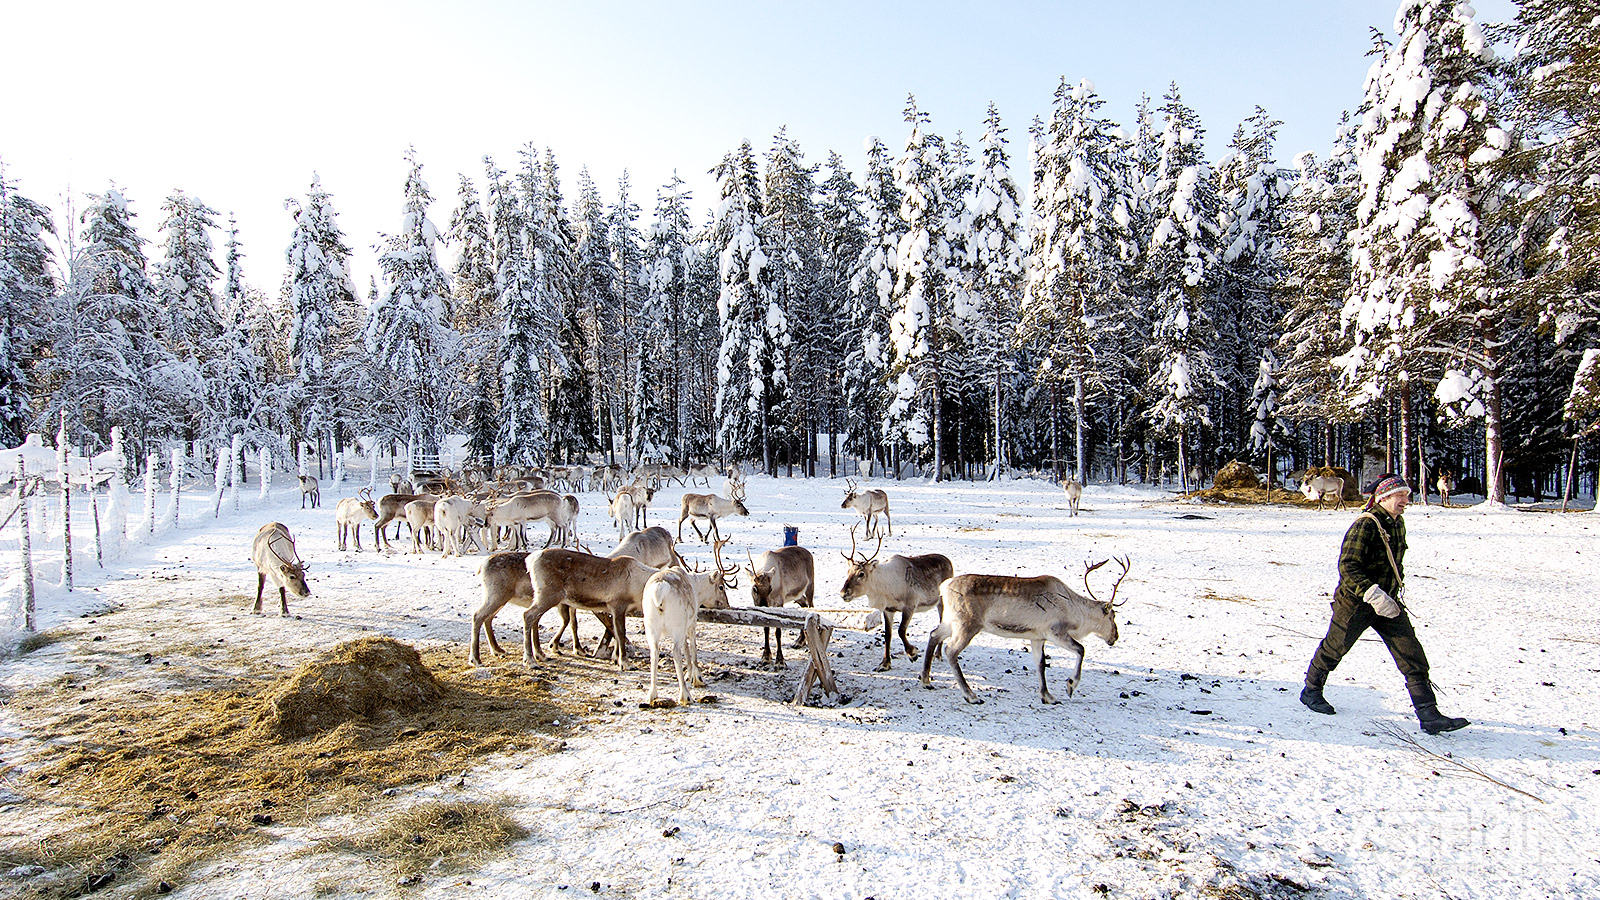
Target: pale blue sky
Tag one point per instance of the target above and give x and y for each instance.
(238, 104)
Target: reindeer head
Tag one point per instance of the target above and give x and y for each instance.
(1106, 628)
(294, 578)
(850, 493)
(859, 569)
(724, 578)
(760, 583)
(738, 501)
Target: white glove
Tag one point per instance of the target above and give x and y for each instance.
(1381, 602)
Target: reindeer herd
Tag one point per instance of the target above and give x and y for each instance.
(646, 576)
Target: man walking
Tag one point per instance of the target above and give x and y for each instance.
(1370, 594)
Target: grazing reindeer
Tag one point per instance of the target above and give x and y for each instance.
(777, 577)
(585, 582)
(710, 507)
(275, 558)
(1038, 609)
(309, 490)
(350, 513)
(903, 584)
(1319, 483)
(1074, 491)
(871, 504)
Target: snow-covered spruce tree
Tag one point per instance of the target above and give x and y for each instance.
(607, 325)
(790, 229)
(107, 366)
(841, 231)
(186, 277)
(1318, 218)
(1180, 272)
(323, 315)
(664, 312)
(1266, 430)
(1555, 108)
(525, 343)
(1083, 250)
(476, 320)
(966, 421)
(1421, 300)
(922, 327)
(237, 379)
(1248, 310)
(27, 283)
(569, 398)
(409, 335)
(996, 243)
(866, 362)
(630, 264)
(702, 330)
(752, 383)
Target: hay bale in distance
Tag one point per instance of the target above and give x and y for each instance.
(1237, 475)
(355, 680)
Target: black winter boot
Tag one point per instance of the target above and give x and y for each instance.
(1427, 706)
(1311, 695)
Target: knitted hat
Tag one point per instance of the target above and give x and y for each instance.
(1387, 486)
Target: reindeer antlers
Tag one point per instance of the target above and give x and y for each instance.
(851, 556)
(729, 573)
(1122, 561)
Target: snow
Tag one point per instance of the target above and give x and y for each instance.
(1183, 760)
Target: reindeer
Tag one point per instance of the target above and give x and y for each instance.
(1039, 609)
(391, 507)
(585, 582)
(505, 580)
(350, 513)
(309, 490)
(1319, 483)
(622, 510)
(672, 600)
(869, 503)
(695, 507)
(903, 584)
(777, 577)
(1445, 484)
(519, 509)
(274, 555)
(655, 548)
(702, 472)
(1074, 491)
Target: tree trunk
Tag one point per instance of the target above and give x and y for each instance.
(1493, 442)
(1406, 470)
(1077, 415)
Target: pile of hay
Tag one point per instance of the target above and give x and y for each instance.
(360, 679)
(1237, 475)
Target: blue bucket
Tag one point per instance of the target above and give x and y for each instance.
(791, 536)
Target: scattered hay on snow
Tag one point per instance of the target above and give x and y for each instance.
(434, 834)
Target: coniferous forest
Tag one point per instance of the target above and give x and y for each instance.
(1158, 297)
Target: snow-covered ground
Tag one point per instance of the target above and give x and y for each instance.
(1184, 766)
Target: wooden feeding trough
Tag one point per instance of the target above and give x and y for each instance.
(818, 631)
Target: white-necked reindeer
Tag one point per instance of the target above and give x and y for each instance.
(1037, 609)
(310, 490)
(1074, 491)
(275, 558)
(903, 584)
(350, 513)
(673, 598)
(871, 504)
(1446, 483)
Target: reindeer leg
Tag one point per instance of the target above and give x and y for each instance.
(530, 632)
(1038, 663)
(261, 583)
(655, 655)
(1075, 646)
(935, 639)
(619, 627)
(888, 637)
(681, 659)
(952, 651)
(905, 620)
(283, 601)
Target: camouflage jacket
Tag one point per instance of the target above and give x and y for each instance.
(1362, 560)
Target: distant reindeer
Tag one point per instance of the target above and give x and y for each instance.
(1319, 483)
(350, 513)
(870, 504)
(309, 490)
(1446, 483)
(1074, 492)
(710, 507)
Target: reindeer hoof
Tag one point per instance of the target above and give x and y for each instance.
(881, 667)
(975, 701)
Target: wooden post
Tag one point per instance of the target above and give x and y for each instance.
(150, 492)
(26, 543)
(66, 504)
(266, 471)
(94, 509)
(177, 482)
(1572, 472)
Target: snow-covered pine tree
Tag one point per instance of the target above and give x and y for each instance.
(569, 398)
(999, 259)
(525, 342)
(236, 378)
(793, 259)
(320, 302)
(702, 332)
(1247, 310)
(408, 333)
(1083, 250)
(27, 283)
(107, 366)
(922, 328)
(866, 362)
(186, 277)
(607, 325)
(1180, 273)
(1555, 107)
(477, 320)
(752, 383)
(1421, 299)
(664, 314)
(629, 262)
(1319, 215)
(841, 230)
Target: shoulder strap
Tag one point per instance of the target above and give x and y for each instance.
(1387, 548)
